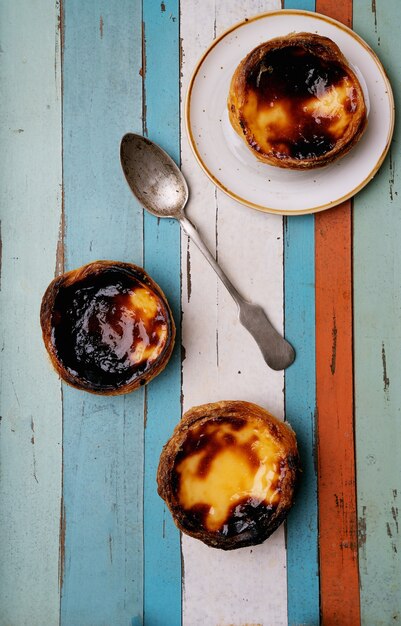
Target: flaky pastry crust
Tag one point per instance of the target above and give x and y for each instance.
(295, 124)
(248, 523)
(109, 384)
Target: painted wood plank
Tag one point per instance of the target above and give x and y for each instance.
(339, 580)
(221, 359)
(377, 321)
(337, 506)
(161, 74)
(102, 437)
(300, 407)
(30, 205)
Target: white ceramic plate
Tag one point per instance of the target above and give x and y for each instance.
(230, 164)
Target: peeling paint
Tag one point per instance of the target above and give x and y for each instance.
(215, 24)
(181, 59)
(362, 528)
(162, 7)
(60, 252)
(101, 24)
(339, 501)
(144, 109)
(386, 380)
(394, 513)
(392, 175)
(374, 13)
(33, 451)
(333, 346)
(59, 42)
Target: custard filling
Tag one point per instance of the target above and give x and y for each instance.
(298, 104)
(226, 465)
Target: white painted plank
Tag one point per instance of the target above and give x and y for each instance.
(30, 205)
(222, 361)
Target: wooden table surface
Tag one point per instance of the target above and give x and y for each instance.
(84, 538)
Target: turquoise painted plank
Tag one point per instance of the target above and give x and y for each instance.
(162, 259)
(377, 320)
(30, 400)
(300, 403)
(102, 437)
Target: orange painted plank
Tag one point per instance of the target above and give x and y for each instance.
(340, 10)
(339, 582)
(339, 578)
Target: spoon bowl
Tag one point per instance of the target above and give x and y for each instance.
(153, 176)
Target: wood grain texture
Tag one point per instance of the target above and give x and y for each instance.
(221, 359)
(30, 205)
(377, 322)
(300, 407)
(102, 437)
(161, 81)
(339, 580)
(336, 462)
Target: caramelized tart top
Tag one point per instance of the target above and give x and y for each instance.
(297, 102)
(228, 473)
(109, 326)
(225, 466)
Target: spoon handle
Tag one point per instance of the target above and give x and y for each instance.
(276, 351)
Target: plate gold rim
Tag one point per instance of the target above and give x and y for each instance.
(264, 209)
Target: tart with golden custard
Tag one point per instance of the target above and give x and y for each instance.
(228, 473)
(296, 102)
(107, 327)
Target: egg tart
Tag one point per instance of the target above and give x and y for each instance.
(296, 102)
(228, 473)
(107, 327)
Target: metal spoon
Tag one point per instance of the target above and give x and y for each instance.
(160, 187)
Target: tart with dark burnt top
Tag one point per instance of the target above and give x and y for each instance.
(296, 102)
(107, 327)
(228, 473)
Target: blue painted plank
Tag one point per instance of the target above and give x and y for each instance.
(30, 399)
(162, 601)
(300, 403)
(377, 320)
(102, 437)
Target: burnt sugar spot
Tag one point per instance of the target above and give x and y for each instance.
(294, 72)
(109, 327)
(196, 516)
(246, 517)
(298, 95)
